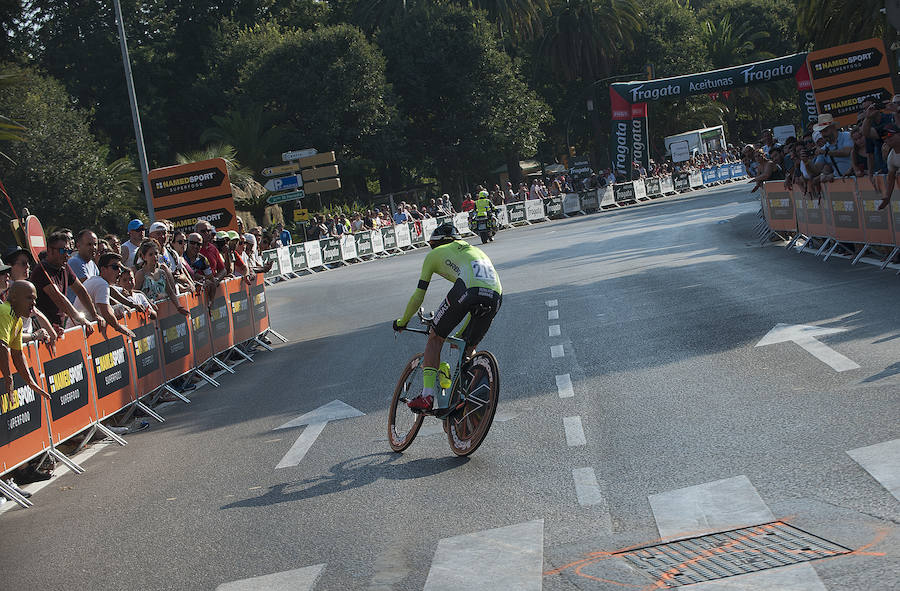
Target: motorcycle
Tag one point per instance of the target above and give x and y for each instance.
(483, 226)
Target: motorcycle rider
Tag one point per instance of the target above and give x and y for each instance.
(484, 207)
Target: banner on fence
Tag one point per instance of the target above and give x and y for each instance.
(71, 407)
(111, 371)
(516, 212)
(200, 331)
(695, 179)
(313, 254)
(404, 240)
(175, 336)
(534, 210)
(428, 227)
(461, 222)
(623, 192)
(682, 181)
(877, 223)
(606, 196)
(723, 172)
(780, 207)
(571, 203)
(554, 207)
(652, 186)
(239, 308)
(284, 259)
(297, 256)
(640, 189)
(709, 175)
(364, 245)
(416, 233)
(23, 432)
(220, 323)
(348, 247)
(841, 198)
(331, 250)
(389, 236)
(275, 270)
(666, 185)
(377, 241)
(502, 217)
(590, 201)
(259, 305)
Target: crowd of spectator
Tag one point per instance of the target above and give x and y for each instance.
(827, 152)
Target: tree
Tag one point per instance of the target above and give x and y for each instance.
(254, 135)
(583, 37)
(462, 100)
(728, 45)
(825, 23)
(60, 171)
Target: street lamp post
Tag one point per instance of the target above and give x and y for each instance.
(135, 115)
(590, 103)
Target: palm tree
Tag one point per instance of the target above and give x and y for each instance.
(251, 133)
(125, 176)
(825, 23)
(727, 45)
(10, 131)
(238, 174)
(582, 36)
(519, 18)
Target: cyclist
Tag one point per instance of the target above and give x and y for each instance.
(475, 297)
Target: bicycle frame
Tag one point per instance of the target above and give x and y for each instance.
(444, 401)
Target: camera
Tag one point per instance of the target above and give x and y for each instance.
(879, 105)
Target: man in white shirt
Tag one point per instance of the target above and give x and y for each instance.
(110, 266)
(890, 135)
(82, 262)
(135, 237)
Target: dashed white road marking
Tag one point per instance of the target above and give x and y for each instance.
(556, 351)
(882, 461)
(574, 431)
(552, 303)
(301, 579)
(554, 330)
(564, 386)
(502, 559)
(552, 314)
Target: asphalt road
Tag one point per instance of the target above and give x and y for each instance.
(676, 424)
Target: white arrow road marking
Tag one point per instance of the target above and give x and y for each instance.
(723, 505)
(882, 461)
(315, 421)
(805, 336)
(301, 579)
(506, 558)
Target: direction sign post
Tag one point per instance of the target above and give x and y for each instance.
(282, 197)
(298, 154)
(283, 183)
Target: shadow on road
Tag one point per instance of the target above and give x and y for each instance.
(350, 474)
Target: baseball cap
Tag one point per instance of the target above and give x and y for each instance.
(221, 236)
(135, 224)
(158, 227)
(232, 235)
(250, 238)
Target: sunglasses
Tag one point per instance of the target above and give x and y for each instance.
(66, 251)
(178, 241)
(195, 243)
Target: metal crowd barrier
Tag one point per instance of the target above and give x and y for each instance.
(90, 378)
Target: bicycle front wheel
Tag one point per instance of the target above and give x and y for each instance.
(468, 426)
(403, 424)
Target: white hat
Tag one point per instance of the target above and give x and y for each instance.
(250, 238)
(825, 119)
(158, 227)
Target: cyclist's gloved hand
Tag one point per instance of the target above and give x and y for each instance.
(397, 326)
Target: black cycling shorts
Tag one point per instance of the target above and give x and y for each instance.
(481, 302)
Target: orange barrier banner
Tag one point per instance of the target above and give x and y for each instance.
(258, 306)
(145, 354)
(23, 431)
(840, 196)
(239, 300)
(111, 371)
(777, 200)
(201, 340)
(220, 322)
(877, 223)
(802, 211)
(175, 338)
(72, 397)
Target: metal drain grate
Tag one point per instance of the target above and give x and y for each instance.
(730, 553)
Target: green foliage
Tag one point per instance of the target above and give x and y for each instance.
(60, 172)
(825, 23)
(463, 100)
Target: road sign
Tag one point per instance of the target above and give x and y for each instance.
(282, 197)
(281, 169)
(301, 215)
(298, 154)
(317, 159)
(315, 421)
(322, 186)
(284, 183)
(322, 172)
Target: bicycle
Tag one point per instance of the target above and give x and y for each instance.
(467, 416)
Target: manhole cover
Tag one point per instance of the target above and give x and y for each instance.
(730, 553)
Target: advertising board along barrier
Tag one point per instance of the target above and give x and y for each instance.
(416, 233)
(723, 173)
(239, 308)
(428, 227)
(111, 371)
(146, 355)
(461, 222)
(802, 214)
(624, 193)
(571, 204)
(331, 250)
(640, 190)
(877, 223)
(313, 255)
(377, 242)
(516, 213)
(24, 433)
(816, 224)
(287, 266)
(71, 408)
(297, 256)
(502, 217)
(840, 196)
(220, 324)
(534, 210)
(652, 186)
(348, 248)
(781, 217)
(709, 175)
(590, 201)
(389, 237)
(554, 207)
(404, 240)
(606, 197)
(681, 181)
(666, 185)
(259, 306)
(364, 246)
(201, 343)
(275, 271)
(738, 170)
(175, 340)
(695, 179)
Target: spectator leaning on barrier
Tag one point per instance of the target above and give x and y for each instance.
(135, 237)
(82, 262)
(155, 280)
(98, 287)
(890, 135)
(838, 146)
(125, 286)
(19, 305)
(52, 278)
(19, 261)
(209, 250)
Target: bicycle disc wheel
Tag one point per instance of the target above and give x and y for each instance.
(468, 426)
(403, 424)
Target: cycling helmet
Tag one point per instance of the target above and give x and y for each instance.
(446, 232)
